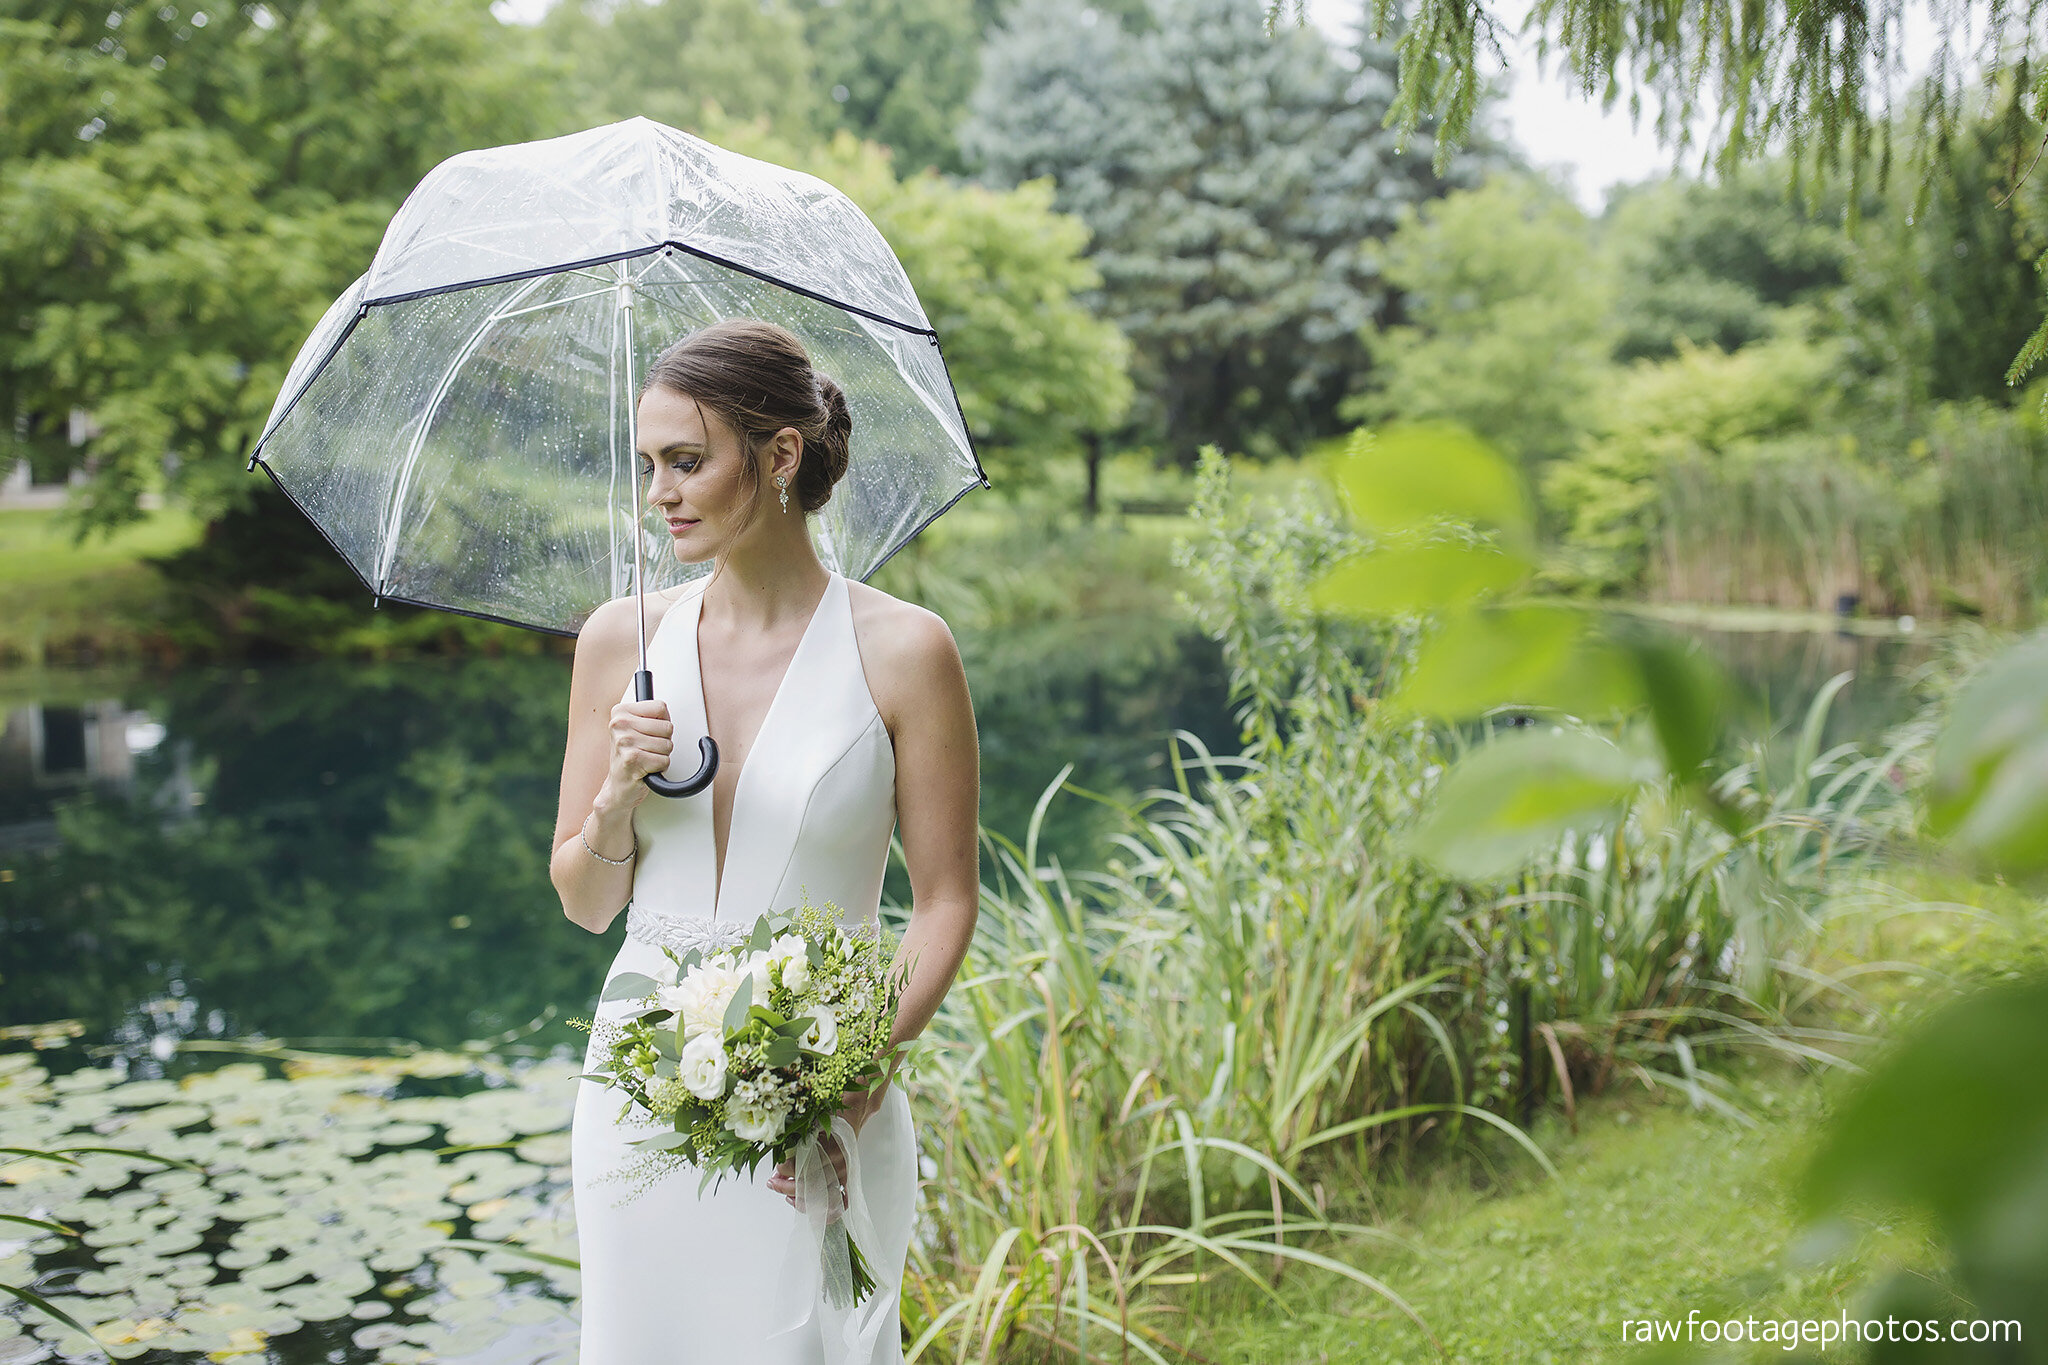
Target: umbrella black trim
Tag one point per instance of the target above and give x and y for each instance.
(920, 528)
(637, 252)
(362, 310)
(364, 306)
(285, 489)
(965, 430)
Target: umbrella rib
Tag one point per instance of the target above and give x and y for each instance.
(403, 485)
(552, 303)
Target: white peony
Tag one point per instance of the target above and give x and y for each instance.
(702, 996)
(702, 1067)
(755, 1122)
(791, 951)
(823, 1035)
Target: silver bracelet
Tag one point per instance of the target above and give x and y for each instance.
(615, 862)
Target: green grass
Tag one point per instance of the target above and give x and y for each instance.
(57, 598)
(1656, 1211)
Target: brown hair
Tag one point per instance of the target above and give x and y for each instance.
(758, 378)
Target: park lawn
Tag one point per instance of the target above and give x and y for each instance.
(57, 596)
(1656, 1211)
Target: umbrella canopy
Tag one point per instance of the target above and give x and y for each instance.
(459, 424)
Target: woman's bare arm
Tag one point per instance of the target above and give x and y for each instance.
(611, 744)
(938, 801)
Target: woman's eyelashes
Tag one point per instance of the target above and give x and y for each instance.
(682, 464)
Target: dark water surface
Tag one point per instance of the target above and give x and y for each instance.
(360, 850)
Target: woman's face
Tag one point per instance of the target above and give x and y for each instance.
(695, 477)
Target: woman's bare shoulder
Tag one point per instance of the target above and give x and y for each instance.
(611, 633)
(906, 650)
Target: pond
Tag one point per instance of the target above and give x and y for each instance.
(360, 850)
(353, 858)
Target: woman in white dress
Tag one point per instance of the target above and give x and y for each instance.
(840, 713)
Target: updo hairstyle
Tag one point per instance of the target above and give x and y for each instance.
(758, 378)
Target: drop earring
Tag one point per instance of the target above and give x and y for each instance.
(783, 483)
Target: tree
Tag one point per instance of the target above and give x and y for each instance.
(1709, 262)
(1508, 330)
(1941, 292)
(899, 72)
(676, 60)
(182, 192)
(1776, 75)
(998, 272)
(1236, 183)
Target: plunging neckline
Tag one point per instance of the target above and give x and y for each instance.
(753, 745)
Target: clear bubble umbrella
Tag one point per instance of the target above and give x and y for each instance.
(460, 423)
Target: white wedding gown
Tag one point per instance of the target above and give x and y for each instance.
(670, 1278)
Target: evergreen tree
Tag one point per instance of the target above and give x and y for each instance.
(1236, 181)
(899, 72)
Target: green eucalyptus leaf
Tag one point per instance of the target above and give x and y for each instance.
(629, 986)
(661, 1142)
(742, 1001)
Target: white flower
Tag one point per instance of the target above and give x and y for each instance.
(794, 954)
(823, 1035)
(756, 966)
(755, 1122)
(702, 1067)
(665, 973)
(702, 996)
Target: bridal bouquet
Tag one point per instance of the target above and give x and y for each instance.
(749, 1052)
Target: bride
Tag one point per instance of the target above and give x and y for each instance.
(840, 714)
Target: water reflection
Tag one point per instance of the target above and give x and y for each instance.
(361, 850)
(337, 851)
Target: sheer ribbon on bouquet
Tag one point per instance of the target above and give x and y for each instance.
(817, 1268)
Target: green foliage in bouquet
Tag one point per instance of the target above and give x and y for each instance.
(750, 1050)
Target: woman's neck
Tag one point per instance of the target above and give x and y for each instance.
(766, 582)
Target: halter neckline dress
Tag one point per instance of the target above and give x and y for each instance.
(668, 1277)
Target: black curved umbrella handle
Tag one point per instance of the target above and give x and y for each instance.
(660, 783)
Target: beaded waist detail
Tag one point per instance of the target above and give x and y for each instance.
(683, 932)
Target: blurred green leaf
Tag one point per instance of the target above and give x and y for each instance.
(1408, 474)
(1955, 1122)
(1517, 656)
(1417, 578)
(1688, 695)
(1988, 791)
(1519, 794)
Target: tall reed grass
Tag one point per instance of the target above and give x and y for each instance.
(1949, 525)
(1193, 1061)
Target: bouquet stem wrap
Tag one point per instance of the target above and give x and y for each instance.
(823, 1263)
